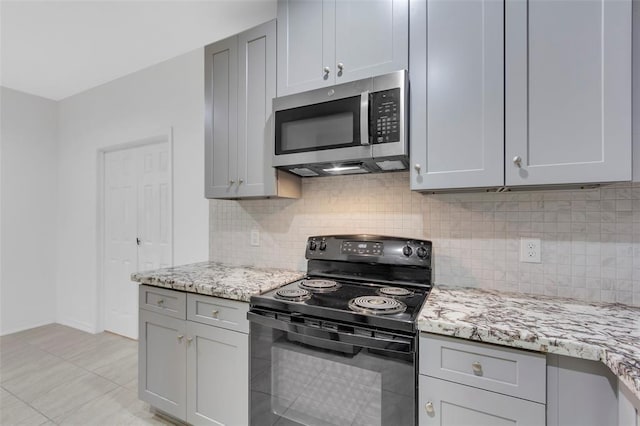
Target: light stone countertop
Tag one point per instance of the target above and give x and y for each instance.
(217, 279)
(596, 331)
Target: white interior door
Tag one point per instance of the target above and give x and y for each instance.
(137, 227)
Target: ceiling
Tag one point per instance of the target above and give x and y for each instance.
(56, 49)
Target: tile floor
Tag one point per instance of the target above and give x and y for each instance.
(54, 374)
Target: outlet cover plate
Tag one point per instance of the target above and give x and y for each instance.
(255, 237)
(530, 250)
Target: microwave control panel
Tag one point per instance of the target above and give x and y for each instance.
(385, 116)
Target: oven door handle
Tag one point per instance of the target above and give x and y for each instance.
(400, 344)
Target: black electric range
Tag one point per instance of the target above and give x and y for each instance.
(365, 280)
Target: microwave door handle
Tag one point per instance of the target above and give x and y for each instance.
(364, 118)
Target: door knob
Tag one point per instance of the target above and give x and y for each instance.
(340, 66)
(326, 70)
(517, 160)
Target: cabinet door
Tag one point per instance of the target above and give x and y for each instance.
(446, 403)
(306, 45)
(161, 363)
(221, 118)
(372, 38)
(256, 89)
(457, 138)
(217, 376)
(568, 91)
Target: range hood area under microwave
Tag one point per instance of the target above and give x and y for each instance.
(355, 127)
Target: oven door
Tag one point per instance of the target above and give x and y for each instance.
(310, 372)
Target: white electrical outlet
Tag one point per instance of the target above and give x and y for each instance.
(255, 237)
(530, 250)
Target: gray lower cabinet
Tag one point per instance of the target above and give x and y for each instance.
(519, 93)
(468, 383)
(327, 42)
(191, 369)
(161, 363)
(445, 403)
(240, 83)
(218, 376)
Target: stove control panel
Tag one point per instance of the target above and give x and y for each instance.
(363, 248)
(370, 249)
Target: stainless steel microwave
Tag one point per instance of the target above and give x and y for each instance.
(356, 127)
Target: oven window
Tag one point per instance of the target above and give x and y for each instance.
(302, 380)
(333, 124)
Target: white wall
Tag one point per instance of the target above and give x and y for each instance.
(28, 218)
(139, 105)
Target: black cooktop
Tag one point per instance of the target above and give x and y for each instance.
(334, 305)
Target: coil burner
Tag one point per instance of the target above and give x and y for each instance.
(319, 286)
(395, 292)
(293, 294)
(377, 305)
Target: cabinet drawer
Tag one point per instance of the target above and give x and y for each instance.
(443, 403)
(229, 314)
(163, 301)
(508, 371)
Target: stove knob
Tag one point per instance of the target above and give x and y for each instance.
(323, 245)
(312, 245)
(422, 252)
(406, 250)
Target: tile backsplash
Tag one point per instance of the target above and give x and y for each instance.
(590, 237)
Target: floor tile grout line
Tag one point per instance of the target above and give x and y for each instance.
(27, 404)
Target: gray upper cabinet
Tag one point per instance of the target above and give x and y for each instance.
(457, 88)
(240, 78)
(326, 42)
(568, 91)
(555, 75)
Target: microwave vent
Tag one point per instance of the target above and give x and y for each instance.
(304, 172)
(391, 165)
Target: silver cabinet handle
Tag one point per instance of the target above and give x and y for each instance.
(231, 182)
(340, 66)
(417, 167)
(240, 181)
(517, 160)
(180, 336)
(214, 313)
(428, 407)
(189, 340)
(477, 368)
(326, 70)
(160, 302)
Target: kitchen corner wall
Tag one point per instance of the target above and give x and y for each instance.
(590, 237)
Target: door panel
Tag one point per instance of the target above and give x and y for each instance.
(568, 91)
(221, 128)
(160, 346)
(137, 227)
(154, 212)
(306, 45)
(371, 38)
(218, 376)
(454, 404)
(120, 232)
(255, 93)
(457, 77)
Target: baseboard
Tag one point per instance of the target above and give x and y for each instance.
(89, 328)
(27, 327)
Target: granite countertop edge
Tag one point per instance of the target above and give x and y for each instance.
(233, 282)
(515, 320)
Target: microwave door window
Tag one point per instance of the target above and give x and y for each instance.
(317, 133)
(327, 125)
